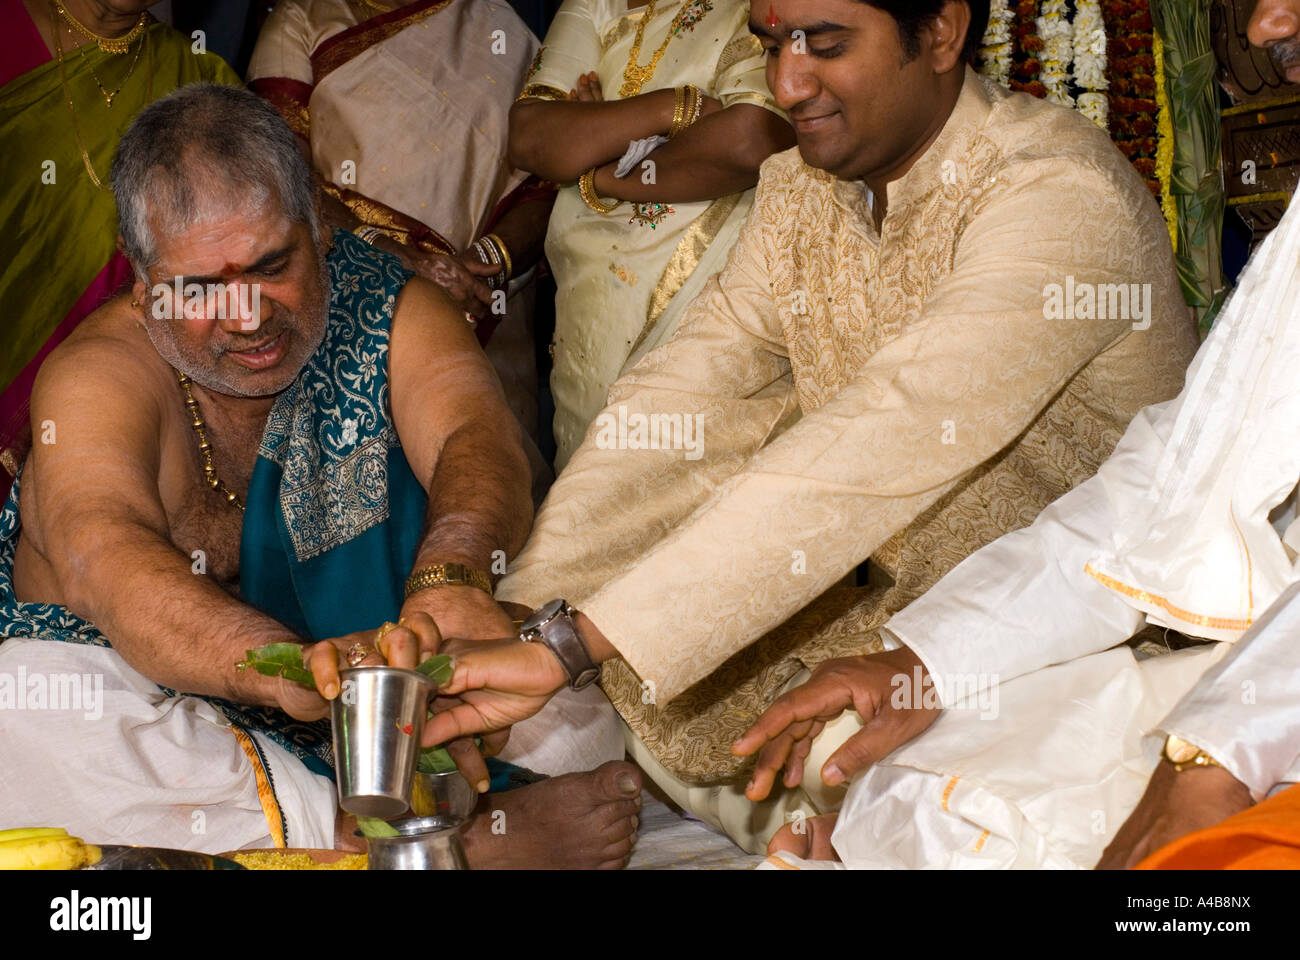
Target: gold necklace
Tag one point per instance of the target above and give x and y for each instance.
(76, 134)
(108, 97)
(107, 44)
(205, 447)
(635, 75)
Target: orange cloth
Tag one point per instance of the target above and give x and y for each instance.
(1264, 837)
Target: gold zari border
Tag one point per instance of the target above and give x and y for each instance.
(265, 792)
(1178, 613)
(331, 56)
(690, 251)
(542, 91)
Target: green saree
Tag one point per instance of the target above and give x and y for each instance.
(58, 230)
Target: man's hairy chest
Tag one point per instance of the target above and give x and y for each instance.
(202, 524)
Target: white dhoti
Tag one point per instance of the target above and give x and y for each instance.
(121, 763)
(576, 731)
(1040, 775)
(103, 753)
(1043, 776)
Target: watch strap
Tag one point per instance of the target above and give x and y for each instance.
(448, 574)
(560, 634)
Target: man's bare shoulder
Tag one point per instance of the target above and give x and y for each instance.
(108, 356)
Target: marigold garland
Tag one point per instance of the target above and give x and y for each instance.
(1165, 144)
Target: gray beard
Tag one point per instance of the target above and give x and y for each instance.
(206, 376)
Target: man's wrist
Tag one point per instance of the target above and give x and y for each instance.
(598, 646)
(449, 594)
(518, 612)
(443, 574)
(1211, 781)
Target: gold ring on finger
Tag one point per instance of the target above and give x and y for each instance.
(358, 652)
(384, 630)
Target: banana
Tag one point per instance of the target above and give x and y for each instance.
(28, 833)
(46, 853)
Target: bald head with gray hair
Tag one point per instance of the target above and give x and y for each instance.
(201, 149)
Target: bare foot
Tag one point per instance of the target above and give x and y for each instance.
(579, 821)
(808, 839)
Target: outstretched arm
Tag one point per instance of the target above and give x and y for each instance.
(465, 446)
(101, 527)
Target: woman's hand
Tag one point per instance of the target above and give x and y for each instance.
(587, 89)
(462, 278)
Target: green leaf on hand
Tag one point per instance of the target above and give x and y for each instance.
(374, 827)
(435, 760)
(278, 660)
(437, 668)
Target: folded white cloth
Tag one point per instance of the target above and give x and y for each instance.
(1047, 782)
(637, 150)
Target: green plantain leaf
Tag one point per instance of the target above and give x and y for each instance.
(374, 827)
(278, 660)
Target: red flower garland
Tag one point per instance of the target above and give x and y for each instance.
(1130, 69)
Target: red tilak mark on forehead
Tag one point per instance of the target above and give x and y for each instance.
(772, 18)
(231, 270)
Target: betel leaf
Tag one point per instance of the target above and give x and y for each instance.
(437, 668)
(278, 660)
(374, 827)
(435, 760)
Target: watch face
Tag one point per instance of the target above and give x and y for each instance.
(542, 614)
(1179, 750)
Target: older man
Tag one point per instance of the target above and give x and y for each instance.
(884, 370)
(1040, 738)
(259, 445)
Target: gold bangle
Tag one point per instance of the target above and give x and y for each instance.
(587, 190)
(367, 233)
(697, 104)
(692, 102)
(505, 254)
(448, 574)
(679, 112)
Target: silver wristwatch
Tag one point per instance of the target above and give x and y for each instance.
(552, 624)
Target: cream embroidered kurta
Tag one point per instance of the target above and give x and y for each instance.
(907, 395)
(621, 287)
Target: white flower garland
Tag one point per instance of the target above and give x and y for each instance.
(995, 48)
(1081, 45)
(1090, 61)
(1058, 51)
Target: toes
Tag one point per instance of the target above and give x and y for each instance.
(618, 780)
(619, 851)
(613, 813)
(790, 841)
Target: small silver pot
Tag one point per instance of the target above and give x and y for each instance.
(423, 843)
(447, 795)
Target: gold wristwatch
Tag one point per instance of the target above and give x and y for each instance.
(448, 574)
(1183, 754)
